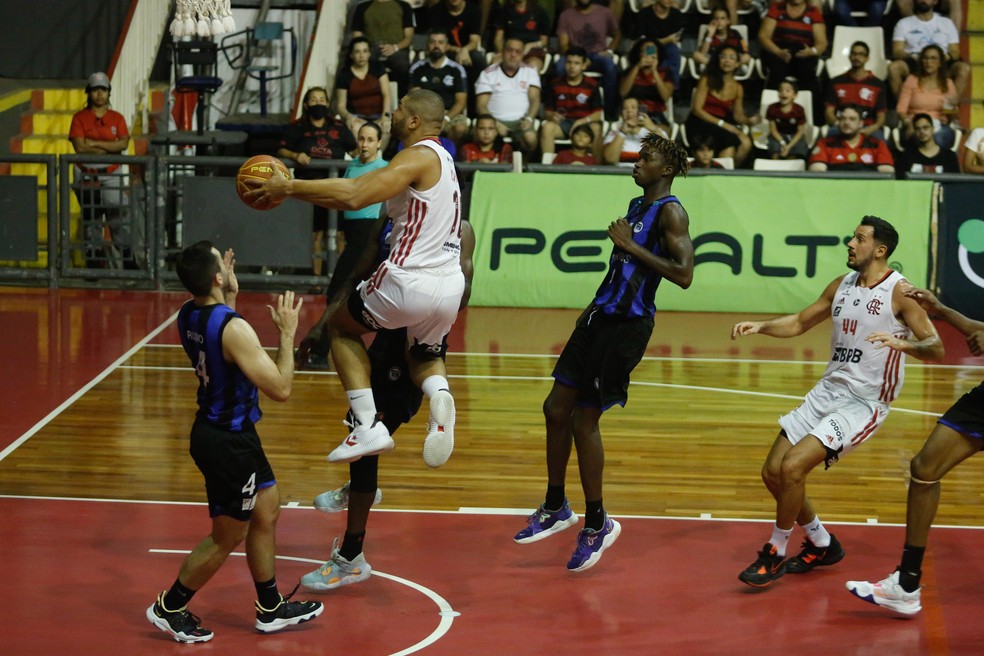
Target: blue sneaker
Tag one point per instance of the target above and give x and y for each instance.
(591, 544)
(543, 523)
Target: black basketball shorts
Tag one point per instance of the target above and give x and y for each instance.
(966, 416)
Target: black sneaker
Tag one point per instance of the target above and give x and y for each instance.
(769, 567)
(287, 613)
(181, 624)
(813, 556)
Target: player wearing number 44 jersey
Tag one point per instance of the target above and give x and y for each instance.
(418, 287)
(875, 325)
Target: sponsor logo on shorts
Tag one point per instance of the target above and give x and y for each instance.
(434, 349)
(249, 503)
(370, 320)
(597, 383)
(394, 374)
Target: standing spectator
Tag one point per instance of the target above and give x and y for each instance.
(99, 130)
(510, 91)
(527, 21)
(462, 21)
(362, 89)
(874, 12)
(243, 497)
(446, 78)
(787, 125)
(624, 140)
(316, 136)
(718, 108)
(914, 33)
(570, 101)
(487, 144)
(648, 81)
(849, 150)
(591, 26)
(860, 87)
(929, 91)
(664, 22)
(720, 33)
(388, 24)
(923, 155)
(793, 37)
(973, 160)
(582, 139)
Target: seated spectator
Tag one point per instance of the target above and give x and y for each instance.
(510, 91)
(446, 78)
(570, 101)
(953, 9)
(362, 89)
(913, 33)
(858, 86)
(719, 34)
(849, 150)
(973, 159)
(487, 144)
(580, 152)
(647, 81)
(923, 154)
(664, 22)
(590, 26)
(718, 108)
(702, 150)
(624, 141)
(527, 21)
(874, 12)
(462, 22)
(929, 91)
(787, 125)
(793, 37)
(316, 135)
(388, 24)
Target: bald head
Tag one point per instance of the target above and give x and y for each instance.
(426, 104)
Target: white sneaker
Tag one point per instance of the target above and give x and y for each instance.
(337, 500)
(337, 572)
(888, 594)
(363, 441)
(440, 429)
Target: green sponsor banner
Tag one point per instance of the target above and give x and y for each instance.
(761, 244)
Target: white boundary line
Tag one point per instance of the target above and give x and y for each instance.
(85, 388)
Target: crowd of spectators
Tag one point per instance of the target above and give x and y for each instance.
(584, 80)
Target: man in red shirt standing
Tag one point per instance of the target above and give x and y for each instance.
(850, 150)
(98, 130)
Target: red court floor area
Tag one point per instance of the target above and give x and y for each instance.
(85, 573)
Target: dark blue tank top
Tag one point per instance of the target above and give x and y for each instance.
(384, 240)
(629, 289)
(226, 398)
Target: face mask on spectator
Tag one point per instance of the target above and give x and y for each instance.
(317, 112)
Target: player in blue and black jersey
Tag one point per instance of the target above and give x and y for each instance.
(651, 242)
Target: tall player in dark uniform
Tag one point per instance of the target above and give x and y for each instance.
(651, 242)
(397, 400)
(243, 499)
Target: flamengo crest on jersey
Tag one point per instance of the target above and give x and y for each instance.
(867, 372)
(427, 224)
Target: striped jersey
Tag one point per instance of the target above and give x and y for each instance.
(427, 224)
(629, 289)
(867, 372)
(226, 397)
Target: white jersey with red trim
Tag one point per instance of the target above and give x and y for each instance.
(427, 224)
(867, 372)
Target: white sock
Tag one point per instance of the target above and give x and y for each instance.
(434, 384)
(779, 539)
(816, 533)
(363, 405)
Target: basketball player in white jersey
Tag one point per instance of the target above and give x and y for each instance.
(875, 326)
(417, 287)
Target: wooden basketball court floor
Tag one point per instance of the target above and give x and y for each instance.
(100, 499)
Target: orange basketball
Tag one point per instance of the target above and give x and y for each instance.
(253, 173)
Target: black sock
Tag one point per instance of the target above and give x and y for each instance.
(267, 593)
(178, 596)
(555, 497)
(352, 545)
(594, 515)
(910, 571)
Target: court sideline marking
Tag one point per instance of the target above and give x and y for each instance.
(85, 388)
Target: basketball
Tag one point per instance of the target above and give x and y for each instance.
(254, 172)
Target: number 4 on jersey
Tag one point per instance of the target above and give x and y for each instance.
(850, 326)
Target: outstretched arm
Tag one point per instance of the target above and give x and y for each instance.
(791, 325)
(678, 267)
